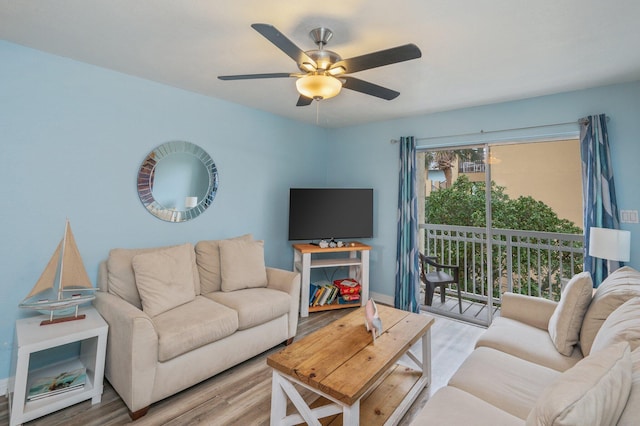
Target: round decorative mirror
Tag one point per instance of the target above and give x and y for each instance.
(177, 181)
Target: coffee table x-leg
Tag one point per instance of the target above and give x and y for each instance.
(353, 371)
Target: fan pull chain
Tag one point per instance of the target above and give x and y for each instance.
(317, 113)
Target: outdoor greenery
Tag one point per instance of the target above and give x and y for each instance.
(463, 204)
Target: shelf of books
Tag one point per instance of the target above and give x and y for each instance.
(343, 293)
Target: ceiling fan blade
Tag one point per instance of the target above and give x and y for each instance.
(369, 88)
(380, 58)
(304, 101)
(283, 43)
(251, 76)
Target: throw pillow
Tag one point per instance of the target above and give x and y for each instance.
(208, 259)
(621, 285)
(565, 323)
(242, 264)
(165, 278)
(121, 279)
(592, 392)
(622, 325)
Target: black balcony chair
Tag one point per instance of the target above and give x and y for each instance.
(438, 278)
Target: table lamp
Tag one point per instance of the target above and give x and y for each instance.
(190, 202)
(614, 245)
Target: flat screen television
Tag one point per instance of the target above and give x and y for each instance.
(330, 213)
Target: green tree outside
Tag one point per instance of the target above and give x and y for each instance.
(463, 204)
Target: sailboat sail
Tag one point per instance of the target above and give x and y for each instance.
(73, 274)
(48, 276)
(65, 272)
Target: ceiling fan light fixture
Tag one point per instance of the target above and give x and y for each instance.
(308, 67)
(337, 70)
(318, 86)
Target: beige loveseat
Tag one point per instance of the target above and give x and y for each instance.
(576, 362)
(179, 315)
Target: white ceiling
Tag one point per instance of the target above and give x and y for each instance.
(473, 52)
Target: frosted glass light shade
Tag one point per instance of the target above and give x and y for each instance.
(610, 244)
(318, 86)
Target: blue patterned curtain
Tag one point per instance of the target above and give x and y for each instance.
(598, 192)
(407, 278)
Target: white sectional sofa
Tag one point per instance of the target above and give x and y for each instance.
(576, 362)
(179, 315)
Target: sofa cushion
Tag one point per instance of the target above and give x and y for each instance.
(165, 278)
(208, 260)
(620, 286)
(565, 323)
(192, 325)
(254, 306)
(593, 392)
(527, 342)
(505, 381)
(631, 412)
(242, 264)
(121, 277)
(452, 406)
(622, 325)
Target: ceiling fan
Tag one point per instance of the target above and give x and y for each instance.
(323, 72)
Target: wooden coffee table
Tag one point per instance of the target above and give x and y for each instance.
(359, 381)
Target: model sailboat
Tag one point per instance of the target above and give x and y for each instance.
(63, 285)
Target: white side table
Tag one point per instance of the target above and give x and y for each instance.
(31, 337)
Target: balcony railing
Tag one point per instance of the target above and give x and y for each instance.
(525, 262)
(472, 166)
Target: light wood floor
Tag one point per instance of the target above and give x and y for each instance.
(242, 395)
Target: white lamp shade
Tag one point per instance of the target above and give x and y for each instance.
(610, 244)
(318, 86)
(190, 202)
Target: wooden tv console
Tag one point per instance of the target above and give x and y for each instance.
(358, 263)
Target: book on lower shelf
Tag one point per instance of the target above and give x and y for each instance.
(313, 290)
(347, 299)
(55, 381)
(322, 293)
(348, 286)
(339, 292)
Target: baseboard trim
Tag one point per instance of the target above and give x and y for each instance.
(382, 298)
(4, 384)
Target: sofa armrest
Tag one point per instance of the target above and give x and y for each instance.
(103, 273)
(289, 282)
(132, 350)
(534, 311)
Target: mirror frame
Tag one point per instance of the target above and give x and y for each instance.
(145, 174)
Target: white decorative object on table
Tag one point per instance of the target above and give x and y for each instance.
(372, 319)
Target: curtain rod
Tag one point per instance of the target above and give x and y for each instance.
(484, 132)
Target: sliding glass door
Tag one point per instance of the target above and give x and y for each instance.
(508, 216)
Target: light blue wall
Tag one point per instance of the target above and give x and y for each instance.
(72, 137)
(364, 156)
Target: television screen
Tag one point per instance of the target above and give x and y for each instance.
(330, 213)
